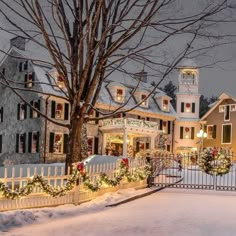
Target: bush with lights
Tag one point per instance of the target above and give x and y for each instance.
(78, 173)
(215, 162)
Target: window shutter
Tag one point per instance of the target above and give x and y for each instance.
(39, 106)
(97, 115)
(147, 145)
(17, 143)
(51, 142)
(33, 78)
(37, 144)
(95, 145)
(30, 142)
(214, 132)
(53, 108)
(18, 111)
(139, 117)
(26, 76)
(193, 107)
(24, 145)
(20, 67)
(182, 106)
(66, 111)
(25, 115)
(31, 110)
(1, 143)
(65, 144)
(192, 132)
(26, 65)
(161, 124)
(137, 146)
(2, 114)
(147, 118)
(169, 127)
(181, 132)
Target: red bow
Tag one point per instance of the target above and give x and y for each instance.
(80, 167)
(126, 162)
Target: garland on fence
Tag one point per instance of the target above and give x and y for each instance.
(215, 162)
(78, 172)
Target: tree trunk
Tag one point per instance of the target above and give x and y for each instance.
(74, 149)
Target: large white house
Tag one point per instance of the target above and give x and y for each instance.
(27, 137)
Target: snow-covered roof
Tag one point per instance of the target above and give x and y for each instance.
(187, 63)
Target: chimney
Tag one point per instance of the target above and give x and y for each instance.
(18, 42)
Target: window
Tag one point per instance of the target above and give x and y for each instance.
(165, 104)
(188, 77)
(227, 113)
(60, 110)
(233, 107)
(35, 104)
(58, 143)
(23, 66)
(119, 95)
(211, 131)
(20, 142)
(186, 132)
(226, 133)
(90, 145)
(21, 111)
(1, 114)
(188, 107)
(60, 82)
(33, 142)
(221, 108)
(29, 80)
(144, 103)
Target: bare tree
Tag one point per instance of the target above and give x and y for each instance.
(88, 40)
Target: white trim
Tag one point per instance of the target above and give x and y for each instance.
(223, 133)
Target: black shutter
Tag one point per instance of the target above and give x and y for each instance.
(24, 144)
(96, 115)
(53, 109)
(37, 144)
(65, 143)
(214, 132)
(39, 106)
(30, 142)
(169, 127)
(17, 143)
(33, 78)
(18, 111)
(51, 142)
(193, 107)
(31, 110)
(137, 146)
(25, 109)
(147, 145)
(192, 132)
(95, 145)
(147, 118)
(66, 111)
(26, 65)
(181, 132)
(0, 143)
(139, 117)
(161, 124)
(1, 114)
(182, 106)
(26, 76)
(20, 67)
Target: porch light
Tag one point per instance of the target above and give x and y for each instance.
(201, 135)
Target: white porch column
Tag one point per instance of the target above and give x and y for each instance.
(125, 143)
(152, 142)
(104, 142)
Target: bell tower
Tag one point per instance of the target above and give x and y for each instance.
(187, 107)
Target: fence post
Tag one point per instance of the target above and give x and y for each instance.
(76, 191)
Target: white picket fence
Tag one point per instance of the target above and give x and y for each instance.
(16, 177)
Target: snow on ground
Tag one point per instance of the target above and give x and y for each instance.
(173, 212)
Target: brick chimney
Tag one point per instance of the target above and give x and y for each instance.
(18, 42)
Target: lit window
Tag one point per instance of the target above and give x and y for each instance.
(35, 104)
(59, 111)
(221, 108)
(29, 80)
(210, 131)
(188, 77)
(187, 133)
(60, 81)
(165, 104)
(164, 126)
(144, 103)
(58, 143)
(119, 95)
(188, 107)
(22, 108)
(90, 145)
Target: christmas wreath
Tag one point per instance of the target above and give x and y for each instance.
(215, 162)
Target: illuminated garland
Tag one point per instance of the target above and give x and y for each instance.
(78, 172)
(215, 163)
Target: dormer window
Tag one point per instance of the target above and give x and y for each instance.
(188, 77)
(165, 105)
(144, 103)
(188, 107)
(60, 82)
(29, 80)
(59, 111)
(119, 95)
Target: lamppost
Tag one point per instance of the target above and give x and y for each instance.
(201, 134)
